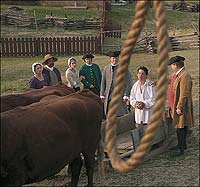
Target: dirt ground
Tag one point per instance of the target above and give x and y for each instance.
(162, 170)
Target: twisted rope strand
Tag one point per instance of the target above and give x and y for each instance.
(142, 150)
(141, 12)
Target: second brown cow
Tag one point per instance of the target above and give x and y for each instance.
(38, 140)
(30, 96)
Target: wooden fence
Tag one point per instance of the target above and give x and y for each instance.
(81, 45)
(177, 43)
(55, 46)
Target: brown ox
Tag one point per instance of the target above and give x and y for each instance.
(30, 96)
(38, 140)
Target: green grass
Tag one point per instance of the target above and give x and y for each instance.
(126, 14)
(41, 12)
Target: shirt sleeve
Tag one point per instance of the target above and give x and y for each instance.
(132, 96)
(185, 91)
(69, 78)
(85, 81)
(32, 83)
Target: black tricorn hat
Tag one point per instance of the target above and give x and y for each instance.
(175, 59)
(88, 55)
(113, 53)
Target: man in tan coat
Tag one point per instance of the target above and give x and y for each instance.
(180, 101)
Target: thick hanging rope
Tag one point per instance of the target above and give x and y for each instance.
(163, 48)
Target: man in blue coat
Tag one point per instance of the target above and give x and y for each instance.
(92, 74)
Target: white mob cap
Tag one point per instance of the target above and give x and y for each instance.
(34, 64)
(69, 60)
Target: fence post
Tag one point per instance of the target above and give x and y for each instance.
(62, 48)
(54, 50)
(10, 46)
(99, 46)
(31, 40)
(81, 45)
(66, 46)
(37, 50)
(36, 27)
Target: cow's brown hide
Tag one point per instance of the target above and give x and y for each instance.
(40, 139)
(30, 96)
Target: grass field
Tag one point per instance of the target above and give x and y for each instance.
(162, 170)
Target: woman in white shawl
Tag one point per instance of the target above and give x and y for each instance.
(73, 80)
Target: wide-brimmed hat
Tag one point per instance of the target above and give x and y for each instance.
(47, 57)
(113, 53)
(175, 59)
(88, 55)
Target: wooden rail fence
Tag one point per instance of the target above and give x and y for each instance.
(181, 42)
(55, 46)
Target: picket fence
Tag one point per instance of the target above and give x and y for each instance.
(55, 46)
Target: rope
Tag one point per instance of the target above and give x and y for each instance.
(119, 85)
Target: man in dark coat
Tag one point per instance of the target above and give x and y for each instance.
(52, 73)
(180, 101)
(107, 84)
(92, 74)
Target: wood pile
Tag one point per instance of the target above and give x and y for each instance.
(185, 42)
(183, 6)
(15, 16)
(146, 44)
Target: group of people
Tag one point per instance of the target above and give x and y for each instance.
(140, 95)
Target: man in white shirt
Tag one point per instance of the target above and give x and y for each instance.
(142, 98)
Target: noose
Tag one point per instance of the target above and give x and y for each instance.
(119, 86)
